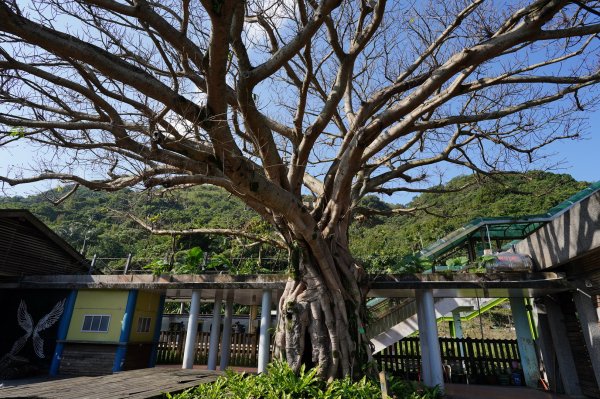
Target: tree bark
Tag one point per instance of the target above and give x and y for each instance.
(320, 325)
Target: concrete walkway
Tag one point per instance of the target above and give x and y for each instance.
(464, 391)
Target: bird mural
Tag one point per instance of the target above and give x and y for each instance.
(25, 321)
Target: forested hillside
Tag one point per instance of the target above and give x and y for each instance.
(386, 240)
(97, 218)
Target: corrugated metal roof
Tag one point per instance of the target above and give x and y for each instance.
(29, 247)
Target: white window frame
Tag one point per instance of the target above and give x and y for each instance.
(142, 323)
(96, 315)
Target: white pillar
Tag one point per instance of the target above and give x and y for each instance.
(428, 327)
(265, 323)
(590, 326)
(192, 331)
(226, 340)
(215, 331)
(425, 359)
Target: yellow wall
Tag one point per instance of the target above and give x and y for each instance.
(112, 303)
(146, 306)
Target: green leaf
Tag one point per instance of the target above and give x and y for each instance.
(17, 132)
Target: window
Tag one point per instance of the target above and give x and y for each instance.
(143, 325)
(95, 323)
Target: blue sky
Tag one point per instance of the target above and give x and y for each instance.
(582, 157)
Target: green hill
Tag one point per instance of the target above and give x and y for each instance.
(382, 242)
(95, 219)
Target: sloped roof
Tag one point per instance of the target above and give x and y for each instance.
(29, 247)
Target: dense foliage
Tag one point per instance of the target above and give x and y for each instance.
(281, 382)
(94, 218)
(384, 242)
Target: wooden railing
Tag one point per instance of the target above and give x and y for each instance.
(475, 360)
(243, 348)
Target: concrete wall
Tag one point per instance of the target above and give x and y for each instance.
(568, 236)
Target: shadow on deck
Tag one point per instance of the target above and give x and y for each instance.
(134, 384)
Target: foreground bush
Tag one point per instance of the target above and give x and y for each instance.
(280, 382)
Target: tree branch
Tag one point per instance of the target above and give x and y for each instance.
(205, 231)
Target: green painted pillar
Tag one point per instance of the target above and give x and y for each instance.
(529, 360)
(457, 323)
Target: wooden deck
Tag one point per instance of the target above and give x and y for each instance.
(134, 384)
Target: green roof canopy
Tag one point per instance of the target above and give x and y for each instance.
(502, 228)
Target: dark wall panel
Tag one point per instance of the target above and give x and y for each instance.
(137, 356)
(87, 359)
(29, 329)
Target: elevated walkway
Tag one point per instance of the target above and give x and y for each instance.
(502, 228)
(400, 320)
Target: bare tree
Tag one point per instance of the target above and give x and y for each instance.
(272, 100)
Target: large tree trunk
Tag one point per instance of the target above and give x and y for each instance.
(321, 323)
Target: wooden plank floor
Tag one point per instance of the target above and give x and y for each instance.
(134, 384)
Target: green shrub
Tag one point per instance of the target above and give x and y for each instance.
(280, 382)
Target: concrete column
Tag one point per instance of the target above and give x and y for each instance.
(264, 339)
(226, 340)
(251, 318)
(458, 332)
(425, 359)
(428, 328)
(529, 361)
(546, 347)
(215, 331)
(189, 351)
(562, 348)
(533, 316)
(590, 326)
